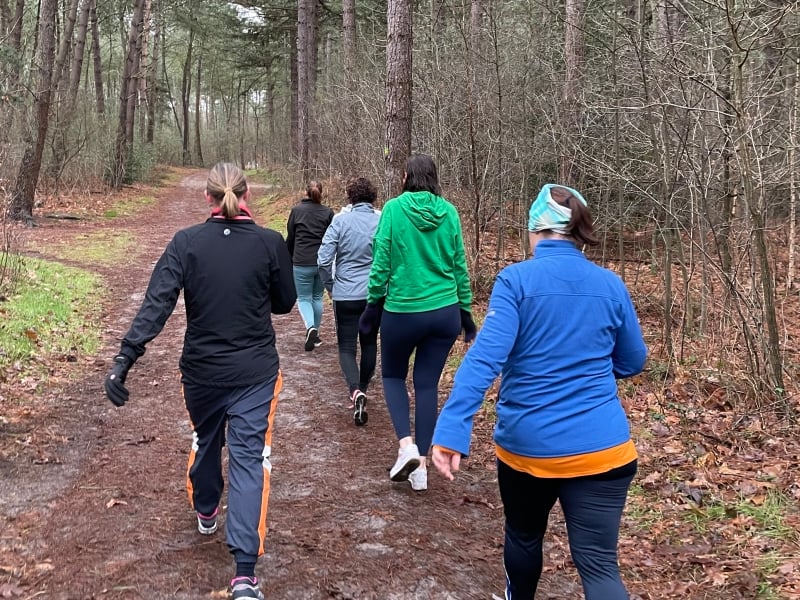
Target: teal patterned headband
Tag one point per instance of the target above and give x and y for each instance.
(547, 214)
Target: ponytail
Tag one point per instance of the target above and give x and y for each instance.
(226, 185)
(230, 204)
(314, 192)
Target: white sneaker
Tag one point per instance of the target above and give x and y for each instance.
(407, 461)
(419, 479)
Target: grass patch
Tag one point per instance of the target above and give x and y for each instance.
(262, 176)
(97, 248)
(129, 206)
(49, 314)
(272, 213)
(640, 511)
(766, 518)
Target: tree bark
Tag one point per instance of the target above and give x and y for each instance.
(99, 93)
(198, 146)
(152, 75)
(574, 52)
(186, 90)
(294, 103)
(22, 198)
(398, 92)
(66, 43)
(304, 25)
(60, 141)
(122, 145)
(349, 38)
(142, 95)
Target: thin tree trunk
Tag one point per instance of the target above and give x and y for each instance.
(170, 97)
(152, 74)
(144, 70)
(294, 100)
(22, 198)
(66, 43)
(198, 146)
(304, 16)
(122, 145)
(186, 90)
(574, 51)
(793, 141)
(398, 92)
(349, 38)
(350, 137)
(99, 94)
(12, 25)
(133, 84)
(76, 68)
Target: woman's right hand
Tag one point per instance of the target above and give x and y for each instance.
(446, 461)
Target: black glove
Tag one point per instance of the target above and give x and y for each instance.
(370, 319)
(115, 380)
(468, 325)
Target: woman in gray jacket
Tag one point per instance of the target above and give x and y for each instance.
(344, 261)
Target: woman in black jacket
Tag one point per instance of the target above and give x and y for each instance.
(307, 223)
(234, 274)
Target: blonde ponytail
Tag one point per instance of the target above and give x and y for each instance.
(226, 185)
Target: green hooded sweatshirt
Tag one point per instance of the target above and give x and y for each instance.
(418, 256)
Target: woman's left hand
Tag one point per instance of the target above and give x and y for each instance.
(446, 462)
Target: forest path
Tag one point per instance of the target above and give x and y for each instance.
(103, 512)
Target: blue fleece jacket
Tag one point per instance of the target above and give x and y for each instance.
(559, 330)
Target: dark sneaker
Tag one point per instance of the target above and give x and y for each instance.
(245, 588)
(207, 524)
(311, 339)
(360, 408)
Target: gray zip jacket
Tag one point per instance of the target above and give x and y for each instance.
(345, 256)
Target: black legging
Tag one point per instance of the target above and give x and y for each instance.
(592, 507)
(348, 337)
(430, 335)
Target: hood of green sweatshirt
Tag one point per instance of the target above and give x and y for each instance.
(425, 210)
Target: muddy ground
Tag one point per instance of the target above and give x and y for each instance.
(93, 501)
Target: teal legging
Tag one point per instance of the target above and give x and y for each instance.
(309, 294)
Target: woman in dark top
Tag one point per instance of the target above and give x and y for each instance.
(234, 275)
(307, 223)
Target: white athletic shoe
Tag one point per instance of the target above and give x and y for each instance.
(407, 461)
(418, 479)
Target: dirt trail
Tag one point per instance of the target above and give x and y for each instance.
(105, 513)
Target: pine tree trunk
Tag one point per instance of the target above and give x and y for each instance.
(61, 136)
(186, 90)
(574, 51)
(99, 94)
(22, 198)
(398, 92)
(304, 16)
(152, 75)
(126, 88)
(198, 146)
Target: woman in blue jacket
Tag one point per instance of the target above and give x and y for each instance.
(560, 331)
(344, 260)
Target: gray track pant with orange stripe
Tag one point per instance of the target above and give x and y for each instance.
(249, 414)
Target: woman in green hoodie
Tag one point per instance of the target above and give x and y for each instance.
(419, 294)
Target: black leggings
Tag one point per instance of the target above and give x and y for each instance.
(348, 337)
(592, 507)
(430, 335)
